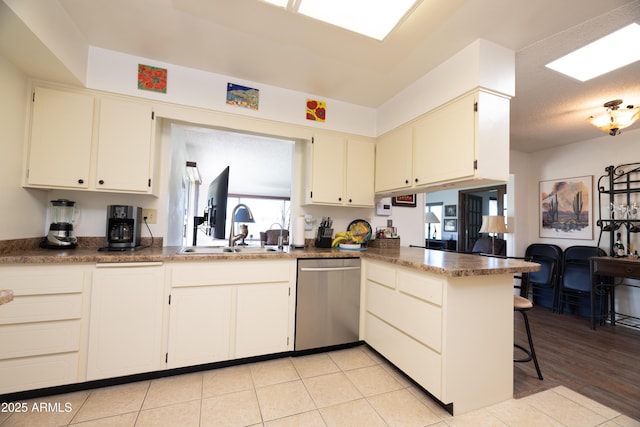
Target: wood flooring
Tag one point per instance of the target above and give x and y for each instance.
(603, 365)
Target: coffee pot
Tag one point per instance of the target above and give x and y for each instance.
(63, 214)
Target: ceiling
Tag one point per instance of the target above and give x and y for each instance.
(257, 42)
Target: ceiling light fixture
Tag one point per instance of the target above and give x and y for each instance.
(372, 18)
(609, 53)
(615, 119)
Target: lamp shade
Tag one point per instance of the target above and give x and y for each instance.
(431, 218)
(493, 224)
(615, 118)
(243, 214)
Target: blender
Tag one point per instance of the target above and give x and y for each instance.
(63, 214)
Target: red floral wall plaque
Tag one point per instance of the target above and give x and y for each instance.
(316, 110)
(152, 78)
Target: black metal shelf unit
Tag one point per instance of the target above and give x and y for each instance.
(618, 184)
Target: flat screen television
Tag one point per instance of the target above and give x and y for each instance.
(217, 205)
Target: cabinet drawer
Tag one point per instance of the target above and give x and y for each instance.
(425, 287)
(41, 308)
(31, 339)
(381, 274)
(419, 362)
(37, 372)
(617, 269)
(42, 280)
(420, 320)
(228, 273)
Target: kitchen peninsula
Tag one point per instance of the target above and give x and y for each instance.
(444, 319)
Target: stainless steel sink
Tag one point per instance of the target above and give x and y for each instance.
(194, 250)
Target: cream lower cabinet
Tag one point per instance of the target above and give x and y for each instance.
(230, 309)
(452, 335)
(42, 329)
(126, 322)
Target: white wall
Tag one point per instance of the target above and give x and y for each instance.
(573, 160)
(23, 211)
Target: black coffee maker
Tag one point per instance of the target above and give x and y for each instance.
(124, 223)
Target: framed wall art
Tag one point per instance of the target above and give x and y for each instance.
(565, 208)
(408, 201)
(151, 78)
(450, 224)
(450, 210)
(243, 96)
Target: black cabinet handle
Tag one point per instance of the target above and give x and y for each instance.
(101, 182)
(81, 181)
(416, 179)
(350, 200)
(339, 199)
(406, 181)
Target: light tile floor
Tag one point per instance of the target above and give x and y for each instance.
(352, 387)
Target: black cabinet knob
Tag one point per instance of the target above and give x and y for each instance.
(101, 182)
(81, 181)
(350, 200)
(406, 181)
(416, 179)
(339, 199)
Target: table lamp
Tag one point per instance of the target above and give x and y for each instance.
(431, 218)
(493, 224)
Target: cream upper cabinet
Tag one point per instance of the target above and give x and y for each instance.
(444, 143)
(462, 143)
(126, 322)
(393, 160)
(125, 146)
(327, 170)
(340, 171)
(89, 141)
(360, 172)
(60, 140)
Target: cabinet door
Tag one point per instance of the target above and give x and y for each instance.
(262, 319)
(125, 327)
(360, 166)
(393, 160)
(124, 146)
(199, 325)
(60, 140)
(327, 176)
(444, 143)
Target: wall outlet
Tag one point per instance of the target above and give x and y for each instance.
(151, 215)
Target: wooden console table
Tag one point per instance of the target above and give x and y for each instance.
(628, 268)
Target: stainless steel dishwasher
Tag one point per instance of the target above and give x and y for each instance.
(328, 302)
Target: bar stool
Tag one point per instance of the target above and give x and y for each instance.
(522, 305)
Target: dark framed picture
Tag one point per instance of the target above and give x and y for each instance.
(450, 210)
(450, 224)
(408, 201)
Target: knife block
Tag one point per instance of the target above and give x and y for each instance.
(324, 237)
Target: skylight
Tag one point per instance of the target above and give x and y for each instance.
(372, 18)
(609, 53)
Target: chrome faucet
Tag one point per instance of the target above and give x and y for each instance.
(239, 215)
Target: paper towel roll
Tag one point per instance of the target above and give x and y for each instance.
(298, 231)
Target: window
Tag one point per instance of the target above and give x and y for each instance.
(267, 212)
(434, 230)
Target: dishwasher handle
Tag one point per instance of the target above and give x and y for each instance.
(328, 268)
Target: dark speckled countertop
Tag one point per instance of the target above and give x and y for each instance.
(440, 262)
